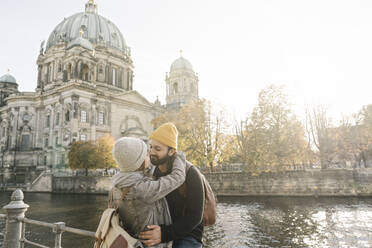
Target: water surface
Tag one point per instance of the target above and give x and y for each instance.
(242, 222)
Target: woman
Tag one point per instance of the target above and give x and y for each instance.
(144, 204)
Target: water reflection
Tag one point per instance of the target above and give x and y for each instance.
(242, 222)
(292, 222)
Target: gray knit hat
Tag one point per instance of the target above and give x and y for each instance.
(129, 153)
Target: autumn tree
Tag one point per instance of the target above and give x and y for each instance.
(104, 152)
(83, 155)
(323, 134)
(202, 132)
(242, 140)
(364, 122)
(92, 155)
(271, 137)
(355, 142)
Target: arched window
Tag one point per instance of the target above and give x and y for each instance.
(101, 118)
(58, 116)
(83, 116)
(107, 72)
(69, 69)
(113, 76)
(67, 116)
(47, 121)
(85, 72)
(50, 73)
(25, 142)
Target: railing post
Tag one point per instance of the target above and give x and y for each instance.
(14, 210)
(58, 231)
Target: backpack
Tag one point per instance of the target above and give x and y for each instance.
(210, 200)
(109, 233)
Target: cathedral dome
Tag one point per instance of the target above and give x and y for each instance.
(181, 63)
(96, 29)
(7, 78)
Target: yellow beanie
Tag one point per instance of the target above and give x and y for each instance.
(166, 134)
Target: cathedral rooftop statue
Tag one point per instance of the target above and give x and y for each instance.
(80, 41)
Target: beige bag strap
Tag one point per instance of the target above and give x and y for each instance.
(111, 200)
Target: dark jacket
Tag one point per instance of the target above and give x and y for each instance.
(186, 213)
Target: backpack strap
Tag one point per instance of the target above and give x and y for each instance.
(182, 189)
(123, 194)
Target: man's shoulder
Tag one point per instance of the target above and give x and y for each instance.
(192, 174)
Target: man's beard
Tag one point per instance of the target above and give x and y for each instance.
(156, 161)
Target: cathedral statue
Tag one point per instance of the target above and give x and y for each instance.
(42, 47)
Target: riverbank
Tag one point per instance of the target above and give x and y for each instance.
(335, 182)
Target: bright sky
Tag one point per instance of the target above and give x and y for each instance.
(320, 49)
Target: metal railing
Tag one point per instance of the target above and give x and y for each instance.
(15, 228)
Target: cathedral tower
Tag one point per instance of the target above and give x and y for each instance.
(181, 84)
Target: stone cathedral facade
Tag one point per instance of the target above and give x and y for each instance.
(84, 91)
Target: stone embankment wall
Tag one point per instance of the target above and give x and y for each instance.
(294, 183)
(290, 183)
(43, 183)
(81, 185)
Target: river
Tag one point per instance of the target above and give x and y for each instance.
(263, 222)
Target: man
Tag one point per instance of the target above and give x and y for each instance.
(186, 229)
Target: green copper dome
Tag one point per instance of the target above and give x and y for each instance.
(181, 64)
(7, 78)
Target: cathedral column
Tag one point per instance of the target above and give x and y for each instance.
(95, 73)
(38, 141)
(126, 79)
(55, 70)
(51, 136)
(39, 76)
(75, 115)
(93, 119)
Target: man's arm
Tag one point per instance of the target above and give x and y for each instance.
(152, 190)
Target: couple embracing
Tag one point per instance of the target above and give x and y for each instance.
(156, 209)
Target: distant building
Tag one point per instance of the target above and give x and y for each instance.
(182, 84)
(84, 91)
